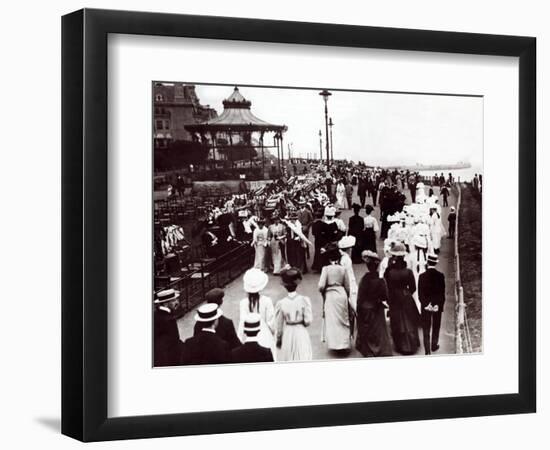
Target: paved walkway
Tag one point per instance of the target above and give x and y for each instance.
(234, 294)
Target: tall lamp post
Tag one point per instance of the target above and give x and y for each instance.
(330, 124)
(326, 94)
(320, 147)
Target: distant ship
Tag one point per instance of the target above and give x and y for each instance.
(418, 167)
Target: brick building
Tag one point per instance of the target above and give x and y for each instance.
(176, 104)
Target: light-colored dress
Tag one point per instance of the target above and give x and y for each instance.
(334, 282)
(341, 200)
(260, 242)
(267, 321)
(292, 315)
(436, 230)
(346, 263)
(277, 235)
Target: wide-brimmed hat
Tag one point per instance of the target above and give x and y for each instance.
(346, 242)
(369, 254)
(166, 296)
(254, 280)
(398, 250)
(330, 211)
(453, 209)
(208, 312)
(369, 209)
(243, 213)
(214, 296)
(252, 322)
(432, 259)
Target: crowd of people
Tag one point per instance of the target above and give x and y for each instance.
(290, 221)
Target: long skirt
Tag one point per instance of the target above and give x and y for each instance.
(357, 250)
(317, 258)
(369, 240)
(276, 256)
(296, 254)
(296, 344)
(259, 257)
(337, 319)
(404, 323)
(372, 333)
(341, 201)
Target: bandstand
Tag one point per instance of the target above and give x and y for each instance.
(237, 127)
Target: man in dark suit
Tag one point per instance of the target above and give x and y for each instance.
(251, 351)
(225, 328)
(431, 293)
(362, 190)
(167, 345)
(206, 347)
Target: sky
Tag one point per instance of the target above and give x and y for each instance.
(377, 128)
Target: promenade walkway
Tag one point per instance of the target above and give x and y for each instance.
(234, 294)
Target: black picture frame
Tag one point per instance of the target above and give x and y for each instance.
(84, 224)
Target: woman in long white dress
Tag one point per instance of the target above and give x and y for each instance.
(260, 242)
(345, 244)
(277, 239)
(436, 229)
(341, 200)
(335, 287)
(293, 314)
(254, 281)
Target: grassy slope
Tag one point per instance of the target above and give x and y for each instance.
(469, 245)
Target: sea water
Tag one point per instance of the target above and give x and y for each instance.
(466, 174)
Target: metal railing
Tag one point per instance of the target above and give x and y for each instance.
(463, 343)
(209, 273)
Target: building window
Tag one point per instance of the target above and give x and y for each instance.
(159, 98)
(159, 125)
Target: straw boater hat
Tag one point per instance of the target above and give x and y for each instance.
(432, 259)
(452, 209)
(346, 242)
(369, 254)
(252, 322)
(166, 296)
(254, 280)
(398, 250)
(208, 312)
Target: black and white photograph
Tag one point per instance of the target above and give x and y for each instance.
(307, 224)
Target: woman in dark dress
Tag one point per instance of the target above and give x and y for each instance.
(372, 333)
(317, 232)
(404, 316)
(356, 226)
(330, 234)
